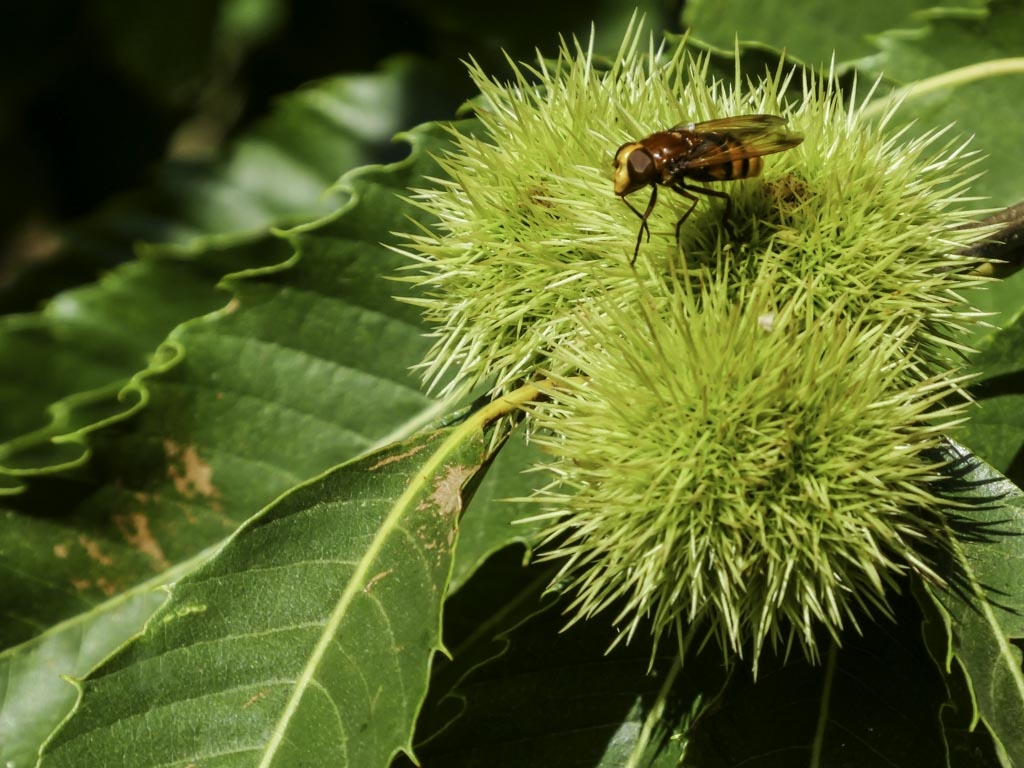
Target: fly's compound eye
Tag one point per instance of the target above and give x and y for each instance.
(640, 166)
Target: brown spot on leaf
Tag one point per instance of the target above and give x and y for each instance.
(142, 497)
(256, 697)
(92, 549)
(397, 457)
(446, 500)
(135, 529)
(191, 475)
(106, 586)
(382, 575)
(60, 551)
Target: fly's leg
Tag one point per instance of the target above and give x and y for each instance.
(643, 221)
(687, 192)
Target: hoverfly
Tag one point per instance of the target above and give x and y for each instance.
(715, 150)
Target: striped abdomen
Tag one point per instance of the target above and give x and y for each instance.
(720, 157)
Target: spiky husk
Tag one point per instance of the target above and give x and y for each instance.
(740, 425)
(752, 467)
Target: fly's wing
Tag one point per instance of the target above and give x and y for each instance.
(737, 138)
(735, 124)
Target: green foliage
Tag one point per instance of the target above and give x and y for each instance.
(313, 613)
(194, 463)
(982, 605)
(212, 428)
(853, 32)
